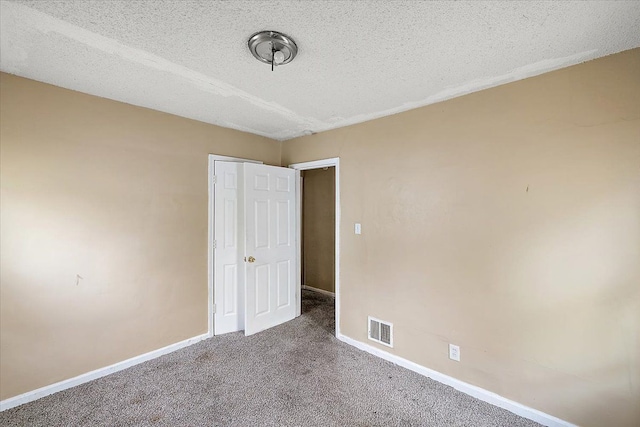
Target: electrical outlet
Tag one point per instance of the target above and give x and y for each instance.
(358, 228)
(454, 352)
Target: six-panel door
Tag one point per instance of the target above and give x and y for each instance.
(269, 200)
(229, 248)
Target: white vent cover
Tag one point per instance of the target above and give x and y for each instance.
(381, 331)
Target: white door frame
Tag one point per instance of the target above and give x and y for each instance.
(211, 233)
(335, 161)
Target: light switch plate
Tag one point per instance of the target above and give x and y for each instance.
(358, 228)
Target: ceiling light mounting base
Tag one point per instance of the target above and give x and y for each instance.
(273, 48)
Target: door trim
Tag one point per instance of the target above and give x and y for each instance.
(211, 234)
(335, 162)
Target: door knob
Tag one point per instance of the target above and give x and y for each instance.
(251, 259)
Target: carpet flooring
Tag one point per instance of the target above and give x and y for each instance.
(296, 374)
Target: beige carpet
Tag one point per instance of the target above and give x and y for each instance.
(297, 374)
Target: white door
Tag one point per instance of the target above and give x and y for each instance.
(270, 250)
(229, 248)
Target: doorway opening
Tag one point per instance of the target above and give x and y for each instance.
(318, 210)
(233, 194)
(318, 245)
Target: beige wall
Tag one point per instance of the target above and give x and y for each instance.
(117, 195)
(507, 222)
(318, 213)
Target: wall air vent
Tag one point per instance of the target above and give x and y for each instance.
(381, 331)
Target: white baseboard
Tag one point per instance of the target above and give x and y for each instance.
(471, 390)
(30, 396)
(320, 291)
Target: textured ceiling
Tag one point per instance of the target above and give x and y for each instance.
(357, 60)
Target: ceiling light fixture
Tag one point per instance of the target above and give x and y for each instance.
(272, 47)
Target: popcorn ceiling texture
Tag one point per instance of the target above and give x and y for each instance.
(358, 60)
